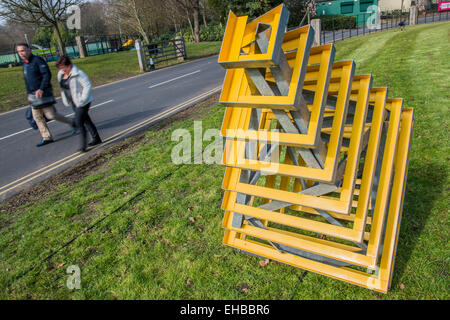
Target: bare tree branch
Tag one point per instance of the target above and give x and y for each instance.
(38, 12)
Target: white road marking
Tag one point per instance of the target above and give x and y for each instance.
(14, 134)
(186, 75)
(69, 115)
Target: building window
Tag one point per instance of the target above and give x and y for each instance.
(346, 7)
(364, 4)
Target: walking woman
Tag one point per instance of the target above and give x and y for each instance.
(76, 92)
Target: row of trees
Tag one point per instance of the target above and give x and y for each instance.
(43, 20)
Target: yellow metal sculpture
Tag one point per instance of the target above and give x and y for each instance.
(316, 158)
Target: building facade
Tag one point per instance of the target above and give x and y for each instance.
(358, 7)
(345, 7)
(390, 5)
(405, 5)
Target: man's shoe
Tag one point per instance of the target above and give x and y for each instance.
(82, 150)
(44, 142)
(95, 142)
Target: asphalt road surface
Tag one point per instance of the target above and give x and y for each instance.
(119, 109)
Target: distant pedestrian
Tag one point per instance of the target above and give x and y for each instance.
(76, 92)
(402, 25)
(40, 93)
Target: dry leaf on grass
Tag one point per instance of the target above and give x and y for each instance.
(244, 287)
(264, 263)
(191, 219)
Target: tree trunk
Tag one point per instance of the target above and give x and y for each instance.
(204, 14)
(61, 46)
(195, 13)
(139, 23)
(190, 23)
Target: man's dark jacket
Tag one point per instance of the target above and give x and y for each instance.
(37, 76)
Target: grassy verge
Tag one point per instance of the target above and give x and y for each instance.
(166, 242)
(101, 69)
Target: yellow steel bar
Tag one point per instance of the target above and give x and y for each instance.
(344, 274)
(340, 246)
(309, 244)
(326, 204)
(397, 196)
(321, 92)
(386, 172)
(232, 39)
(348, 183)
(370, 161)
(285, 180)
(346, 217)
(292, 221)
(294, 241)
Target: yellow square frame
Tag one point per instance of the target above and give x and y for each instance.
(238, 34)
(382, 279)
(339, 205)
(236, 92)
(239, 118)
(309, 244)
(356, 233)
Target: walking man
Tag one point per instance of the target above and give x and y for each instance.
(40, 94)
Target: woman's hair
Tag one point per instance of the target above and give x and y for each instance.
(63, 61)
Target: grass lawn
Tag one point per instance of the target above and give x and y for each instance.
(166, 242)
(101, 69)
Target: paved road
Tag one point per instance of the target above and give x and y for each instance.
(118, 110)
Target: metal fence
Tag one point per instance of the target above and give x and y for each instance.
(163, 51)
(387, 21)
(95, 45)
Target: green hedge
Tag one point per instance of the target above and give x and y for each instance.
(337, 22)
(208, 33)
